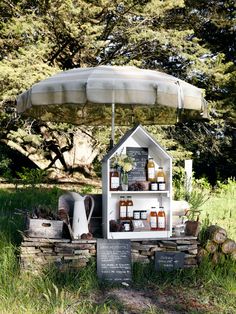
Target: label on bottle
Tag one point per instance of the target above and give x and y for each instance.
(162, 186)
(161, 222)
(151, 173)
(122, 211)
(153, 222)
(115, 182)
(160, 179)
(129, 211)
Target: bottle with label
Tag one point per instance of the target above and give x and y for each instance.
(122, 208)
(129, 207)
(153, 218)
(160, 175)
(151, 176)
(114, 179)
(161, 219)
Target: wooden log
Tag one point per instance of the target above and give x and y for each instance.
(216, 234)
(218, 257)
(228, 246)
(233, 255)
(211, 246)
(202, 253)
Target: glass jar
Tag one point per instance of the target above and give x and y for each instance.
(136, 214)
(143, 214)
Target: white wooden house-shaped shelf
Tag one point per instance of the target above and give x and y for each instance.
(138, 137)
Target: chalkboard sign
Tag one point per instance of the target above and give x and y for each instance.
(114, 260)
(169, 261)
(140, 156)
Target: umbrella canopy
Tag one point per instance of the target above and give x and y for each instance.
(71, 96)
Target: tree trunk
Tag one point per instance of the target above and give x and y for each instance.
(216, 234)
(228, 246)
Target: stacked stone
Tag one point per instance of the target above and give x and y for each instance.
(38, 253)
(144, 251)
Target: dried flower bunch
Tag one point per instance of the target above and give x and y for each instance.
(123, 161)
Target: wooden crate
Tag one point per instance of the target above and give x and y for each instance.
(43, 228)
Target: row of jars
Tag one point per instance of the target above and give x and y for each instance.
(157, 219)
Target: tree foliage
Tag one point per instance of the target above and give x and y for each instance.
(193, 40)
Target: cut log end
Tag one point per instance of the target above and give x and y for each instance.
(216, 234)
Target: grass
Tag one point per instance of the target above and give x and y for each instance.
(207, 289)
(220, 209)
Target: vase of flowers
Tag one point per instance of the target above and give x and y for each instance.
(125, 164)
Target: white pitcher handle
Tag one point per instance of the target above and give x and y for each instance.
(92, 207)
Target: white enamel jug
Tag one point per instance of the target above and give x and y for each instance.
(80, 219)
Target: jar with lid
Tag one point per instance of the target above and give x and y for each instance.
(154, 186)
(126, 225)
(151, 176)
(136, 214)
(153, 219)
(114, 179)
(143, 214)
(161, 219)
(122, 208)
(129, 207)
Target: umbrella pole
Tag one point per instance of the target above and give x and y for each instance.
(112, 125)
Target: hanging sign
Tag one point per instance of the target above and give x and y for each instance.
(140, 156)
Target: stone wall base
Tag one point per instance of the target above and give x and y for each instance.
(38, 253)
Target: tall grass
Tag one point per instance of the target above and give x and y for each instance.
(220, 209)
(54, 292)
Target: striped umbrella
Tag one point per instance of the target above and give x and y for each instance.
(81, 95)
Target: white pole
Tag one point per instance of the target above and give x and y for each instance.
(112, 125)
(188, 167)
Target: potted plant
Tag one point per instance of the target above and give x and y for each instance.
(196, 198)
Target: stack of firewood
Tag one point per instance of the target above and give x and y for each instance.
(217, 245)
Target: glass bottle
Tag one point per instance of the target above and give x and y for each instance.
(129, 207)
(151, 170)
(160, 175)
(153, 218)
(161, 219)
(122, 208)
(114, 179)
